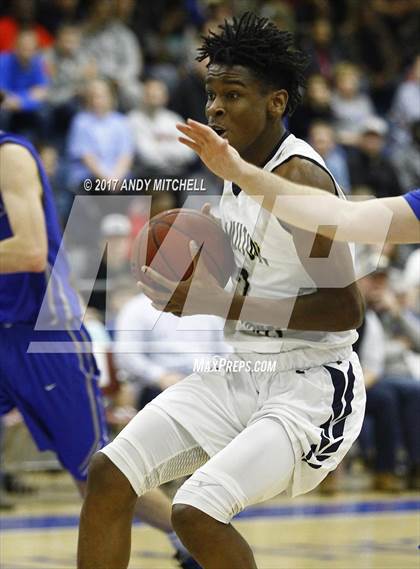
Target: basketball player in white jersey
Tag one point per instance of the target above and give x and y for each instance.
(243, 435)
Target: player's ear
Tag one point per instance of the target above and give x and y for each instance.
(277, 103)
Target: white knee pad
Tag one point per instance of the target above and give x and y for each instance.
(214, 493)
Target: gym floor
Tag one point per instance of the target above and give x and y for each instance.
(356, 529)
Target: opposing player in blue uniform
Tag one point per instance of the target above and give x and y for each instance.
(358, 221)
(57, 393)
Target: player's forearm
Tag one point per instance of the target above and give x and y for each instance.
(313, 209)
(291, 202)
(330, 310)
(17, 257)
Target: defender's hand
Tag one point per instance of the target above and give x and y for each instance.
(214, 151)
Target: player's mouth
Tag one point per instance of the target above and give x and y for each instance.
(218, 130)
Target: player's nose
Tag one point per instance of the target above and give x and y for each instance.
(215, 109)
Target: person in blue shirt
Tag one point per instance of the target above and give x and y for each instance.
(310, 208)
(24, 80)
(99, 144)
(47, 370)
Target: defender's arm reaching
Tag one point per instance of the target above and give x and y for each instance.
(302, 206)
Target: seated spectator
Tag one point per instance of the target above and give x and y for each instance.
(316, 106)
(350, 106)
(157, 349)
(406, 105)
(370, 43)
(155, 134)
(322, 138)
(56, 13)
(282, 14)
(393, 397)
(406, 159)
(24, 80)
(99, 143)
(115, 49)
(167, 42)
(402, 20)
(69, 69)
(412, 275)
(381, 406)
(189, 95)
(368, 163)
(22, 17)
(323, 50)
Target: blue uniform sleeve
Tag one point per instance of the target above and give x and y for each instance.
(413, 199)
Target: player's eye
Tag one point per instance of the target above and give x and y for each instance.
(210, 96)
(233, 95)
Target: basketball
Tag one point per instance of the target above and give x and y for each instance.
(172, 256)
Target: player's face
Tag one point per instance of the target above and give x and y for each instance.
(240, 109)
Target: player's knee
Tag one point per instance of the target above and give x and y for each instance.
(212, 495)
(107, 482)
(186, 519)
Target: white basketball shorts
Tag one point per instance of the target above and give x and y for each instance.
(247, 435)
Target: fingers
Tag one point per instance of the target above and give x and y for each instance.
(198, 131)
(193, 145)
(206, 208)
(184, 128)
(158, 278)
(201, 129)
(153, 294)
(190, 132)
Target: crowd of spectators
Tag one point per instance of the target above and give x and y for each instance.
(55, 55)
(98, 86)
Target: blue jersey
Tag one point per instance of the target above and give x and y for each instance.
(413, 199)
(22, 294)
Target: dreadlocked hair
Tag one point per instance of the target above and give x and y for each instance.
(256, 43)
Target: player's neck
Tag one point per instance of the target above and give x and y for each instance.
(264, 145)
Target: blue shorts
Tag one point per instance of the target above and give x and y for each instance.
(57, 394)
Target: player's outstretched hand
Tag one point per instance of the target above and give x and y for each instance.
(216, 152)
(200, 294)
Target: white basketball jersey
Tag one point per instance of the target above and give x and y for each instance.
(268, 264)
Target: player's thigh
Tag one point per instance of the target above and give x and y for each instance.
(257, 465)
(153, 449)
(213, 407)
